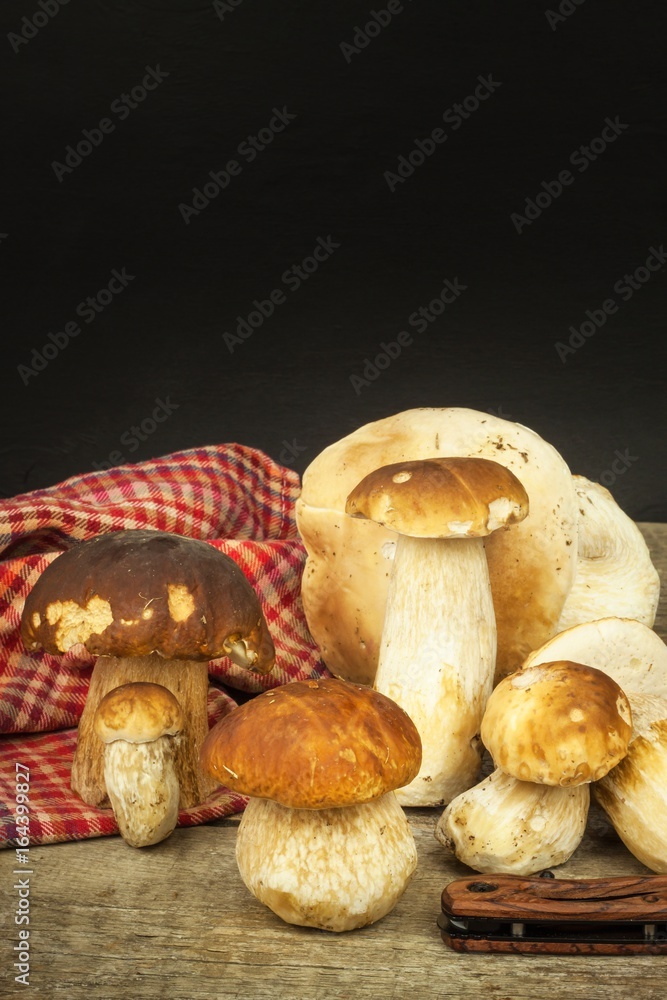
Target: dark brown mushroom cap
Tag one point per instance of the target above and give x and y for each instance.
(135, 592)
(440, 497)
(314, 745)
(138, 713)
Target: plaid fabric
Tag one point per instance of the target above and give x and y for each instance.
(233, 497)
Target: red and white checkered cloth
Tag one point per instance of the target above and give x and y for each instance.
(234, 497)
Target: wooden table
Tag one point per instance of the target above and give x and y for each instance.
(175, 921)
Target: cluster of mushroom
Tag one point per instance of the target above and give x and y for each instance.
(443, 546)
(155, 607)
(557, 728)
(323, 841)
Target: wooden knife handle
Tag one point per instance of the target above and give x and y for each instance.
(512, 897)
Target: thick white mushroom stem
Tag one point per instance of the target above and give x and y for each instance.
(335, 869)
(188, 681)
(143, 788)
(508, 826)
(634, 793)
(437, 658)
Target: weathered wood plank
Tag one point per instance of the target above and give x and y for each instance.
(176, 921)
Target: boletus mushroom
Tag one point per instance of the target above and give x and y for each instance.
(551, 729)
(323, 841)
(634, 792)
(438, 651)
(154, 607)
(140, 724)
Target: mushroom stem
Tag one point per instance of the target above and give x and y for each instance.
(190, 687)
(437, 658)
(504, 825)
(336, 869)
(143, 788)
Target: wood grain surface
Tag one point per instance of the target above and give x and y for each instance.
(175, 921)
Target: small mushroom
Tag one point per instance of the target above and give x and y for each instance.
(323, 841)
(559, 723)
(155, 607)
(438, 651)
(504, 825)
(139, 725)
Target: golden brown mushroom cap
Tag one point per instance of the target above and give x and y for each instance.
(558, 723)
(138, 713)
(137, 592)
(440, 497)
(314, 745)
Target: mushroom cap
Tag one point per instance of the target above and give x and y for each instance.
(138, 713)
(314, 745)
(558, 723)
(137, 592)
(440, 497)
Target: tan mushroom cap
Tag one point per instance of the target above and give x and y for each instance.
(138, 713)
(138, 592)
(558, 723)
(440, 497)
(314, 745)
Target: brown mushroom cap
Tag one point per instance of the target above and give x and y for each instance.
(558, 723)
(314, 745)
(136, 592)
(440, 497)
(138, 713)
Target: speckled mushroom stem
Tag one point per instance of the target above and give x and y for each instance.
(143, 788)
(335, 869)
(504, 825)
(437, 658)
(188, 682)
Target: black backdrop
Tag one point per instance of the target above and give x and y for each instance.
(571, 87)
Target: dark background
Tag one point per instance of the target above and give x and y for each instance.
(290, 383)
